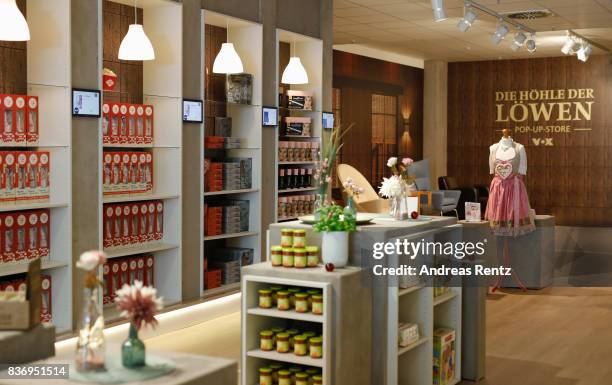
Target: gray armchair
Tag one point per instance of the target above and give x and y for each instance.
(444, 201)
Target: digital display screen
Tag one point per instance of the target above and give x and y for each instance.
(328, 120)
(269, 116)
(86, 103)
(192, 111)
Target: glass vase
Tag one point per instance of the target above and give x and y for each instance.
(395, 205)
(350, 208)
(318, 205)
(90, 350)
(133, 350)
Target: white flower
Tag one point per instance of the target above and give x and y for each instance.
(391, 187)
(90, 260)
(392, 161)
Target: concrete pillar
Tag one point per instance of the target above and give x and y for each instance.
(435, 118)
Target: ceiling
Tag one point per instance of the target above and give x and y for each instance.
(406, 27)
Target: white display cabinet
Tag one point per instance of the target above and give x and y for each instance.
(162, 88)
(310, 52)
(247, 38)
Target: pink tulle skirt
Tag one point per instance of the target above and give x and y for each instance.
(508, 207)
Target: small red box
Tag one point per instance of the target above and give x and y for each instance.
(149, 277)
(124, 276)
(149, 119)
(32, 121)
(33, 239)
(115, 285)
(159, 220)
(8, 181)
(21, 239)
(133, 269)
(114, 123)
(148, 177)
(212, 278)
(44, 176)
(140, 123)
(151, 221)
(20, 119)
(22, 176)
(143, 216)
(126, 213)
(115, 186)
(44, 234)
(134, 184)
(135, 224)
(47, 299)
(106, 118)
(107, 172)
(123, 126)
(7, 119)
(106, 278)
(117, 241)
(9, 228)
(140, 273)
(109, 214)
(131, 133)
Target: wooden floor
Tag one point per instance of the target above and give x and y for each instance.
(560, 336)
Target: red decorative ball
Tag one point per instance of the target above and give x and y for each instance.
(329, 267)
(414, 215)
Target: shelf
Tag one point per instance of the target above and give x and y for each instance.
(224, 289)
(292, 137)
(292, 190)
(402, 350)
(140, 249)
(229, 192)
(409, 290)
(233, 235)
(135, 198)
(285, 219)
(304, 162)
(444, 298)
(287, 357)
(18, 268)
(31, 206)
(297, 110)
(286, 314)
(231, 103)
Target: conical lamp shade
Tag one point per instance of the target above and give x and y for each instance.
(228, 61)
(136, 45)
(295, 73)
(13, 26)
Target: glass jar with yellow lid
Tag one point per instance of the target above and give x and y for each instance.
(310, 371)
(287, 238)
(312, 255)
(282, 343)
(292, 333)
(294, 370)
(301, 302)
(282, 300)
(284, 377)
(265, 376)
(300, 345)
(301, 378)
(310, 293)
(299, 238)
(277, 330)
(275, 290)
(288, 257)
(300, 260)
(265, 298)
(276, 255)
(308, 336)
(317, 379)
(317, 304)
(316, 347)
(292, 292)
(266, 340)
(275, 366)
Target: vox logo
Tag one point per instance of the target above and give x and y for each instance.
(542, 141)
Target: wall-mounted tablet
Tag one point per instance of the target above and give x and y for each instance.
(269, 116)
(193, 111)
(86, 103)
(328, 120)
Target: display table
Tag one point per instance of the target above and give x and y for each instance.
(190, 370)
(17, 347)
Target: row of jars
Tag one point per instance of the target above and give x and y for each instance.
(291, 151)
(295, 257)
(291, 340)
(292, 298)
(278, 374)
(295, 206)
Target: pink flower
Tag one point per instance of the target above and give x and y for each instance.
(90, 260)
(407, 161)
(139, 304)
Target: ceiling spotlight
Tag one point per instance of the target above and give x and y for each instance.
(499, 34)
(530, 44)
(584, 52)
(468, 19)
(438, 10)
(571, 46)
(519, 40)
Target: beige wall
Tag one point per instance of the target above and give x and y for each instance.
(435, 118)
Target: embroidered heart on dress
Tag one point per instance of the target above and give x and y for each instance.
(503, 169)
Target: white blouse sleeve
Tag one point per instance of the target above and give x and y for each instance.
(522, 160)
(492, 155)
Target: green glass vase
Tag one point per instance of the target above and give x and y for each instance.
(350, 208)
(133, 350)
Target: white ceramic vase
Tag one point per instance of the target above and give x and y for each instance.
(335, 248)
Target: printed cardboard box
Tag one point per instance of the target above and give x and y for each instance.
(123, 112)
(133, 269)
(44, 234)
(107, 296)
(139, 134)
(20, 120)
(8, 182)
(21, 193)
(140, 273)
(8, 237)
(44, 177)
(114, 129)
(149, 119)
(109, 218)
(32, 134)
(132, 136)
(117, 241)
(20, 241)
(106, 117)
(33, 238)
(134, 172)
(159, 220)
(444, 356)
(143, 216)
(115, 277)
(149, 278)
(107, 173)
(135, 224)
(151, 221)
(126, 213)
(7, 120)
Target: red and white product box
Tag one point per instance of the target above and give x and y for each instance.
(107, 291)
(106, 118)
(32, 121)
(140, 136)
(149, 276)
(32, 175)
(148, 123)
(116, 173)
(44, 234)
(143, 236)
(117, 240)
(135, 224)
(21, 238)
(20, 120)
(159, 220)
(22, 176)
(123, 111)
(151, 221)
(20, 285)
(131, 136)
(126, 214)
(8, 182)
(124, 277)
(33, 228)
(47, 301)
(9, 225)
(133, 269)
(114, 123)
(141, 185)
(134, 174)
(140, 261)
(125, 173)
(109, 217)
(7, 121)
(107, 172)
(149, 173)
(114, 277)
(44, 177)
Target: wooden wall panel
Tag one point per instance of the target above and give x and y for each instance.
(214, 84)
(13, 63)
(570, 179)
(116, 19)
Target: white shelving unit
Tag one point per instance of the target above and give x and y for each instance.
(255, 319)
(247, 38)
(162, 88)
(310, 52)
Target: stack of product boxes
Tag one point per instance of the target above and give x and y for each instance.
(24, 236)
(127, 173)
(126, 270)
(226, 217)
(133, 223)
(231, 174)
(18, 120)
(19, 283)
(229, 260)
(124, 123)
(24, 176)
(444, 356)
(213, 216)
(213, 176)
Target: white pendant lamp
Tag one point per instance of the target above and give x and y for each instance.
(228, 61)
(13, 26)
(136, 45)
(294, 73)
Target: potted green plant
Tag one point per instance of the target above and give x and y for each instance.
(335, 224)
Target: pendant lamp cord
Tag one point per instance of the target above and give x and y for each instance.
(135, 11)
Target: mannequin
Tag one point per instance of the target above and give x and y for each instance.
(508, 209)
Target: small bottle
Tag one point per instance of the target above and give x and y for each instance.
(287, 238)
(308, 180)
(296, 178)
(299, 238)
(276, 255)
(313, 256)
(289, 182)
(281, 179)
(299, 258)
(317, 379)
(303, 178)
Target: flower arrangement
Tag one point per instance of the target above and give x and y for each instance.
(392, 187)
(139, 304)
(89, 262)
(401, 169)
(334, 218)
(325, 167)
(351, 188)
